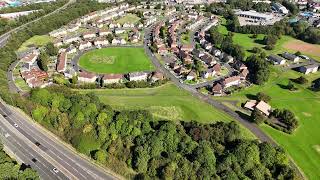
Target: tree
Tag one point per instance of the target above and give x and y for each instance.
(101, 156)
(51, 50)
(259, 69)
(301, 80)
(263, 97)
(43, 61)
(257, 117)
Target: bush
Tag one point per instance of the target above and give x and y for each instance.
(301, 80)
(263, 97)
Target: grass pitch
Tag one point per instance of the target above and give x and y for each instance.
(116, 60)
(36, 41)
(166, 102)
(303, 145)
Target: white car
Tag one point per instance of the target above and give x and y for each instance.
(55, 170)
(304, 57)
(15, 125)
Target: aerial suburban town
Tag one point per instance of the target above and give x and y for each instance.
(160, 89)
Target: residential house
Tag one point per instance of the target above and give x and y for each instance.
(261, 106)
(104, 32)
(128, 25)
(156, 76)
(228, 59)
(58, 32)
(138, 76)
(276, 60)
(186, 48)
(71, 49)
(231, 81)
(217, 89)
(119, 31)
(198, 53)
(216, 52)
(88, 35)
(291, 57)
(87, 77)
(192, 75)
(309, 69)
(209, 60)
(70, 39)
(112, 78)
(208, 73)
(57, 42)
(162, 51)
(84, 45)
(30, 58)
(243, 74)
(62, 62)
(35, 77)
(217, 68)
(118, 41)
(101, 42)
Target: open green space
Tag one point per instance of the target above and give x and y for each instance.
(116, 60)
(36, 41)
(165, 102)
(21, 84)
(303, 145)
(247, 42)
(129, 18)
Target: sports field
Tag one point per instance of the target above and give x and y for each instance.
(165, 102)
(304, 144)
(285, 43)
(129, 18)
(116, 60)
(36, 41)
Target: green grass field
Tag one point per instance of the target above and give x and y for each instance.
(248, 43)
(116, 60)
(129, 18)
(304, 144)
(35, 41)
(165, 102)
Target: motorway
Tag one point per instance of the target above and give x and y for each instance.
(50, 152)
(37, 147)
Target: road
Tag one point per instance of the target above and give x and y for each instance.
(4, 39)
(50, 152)
(251, 126)
(263, 137)
(6, 36)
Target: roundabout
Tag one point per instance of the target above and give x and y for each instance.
(115, 60)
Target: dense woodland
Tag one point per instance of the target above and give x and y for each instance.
(10, 169)
(155, 149)
(44, 8)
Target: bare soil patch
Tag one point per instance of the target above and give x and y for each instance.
(303, 47)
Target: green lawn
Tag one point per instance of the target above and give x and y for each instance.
(35, 41)
(248, 43)
(165, 102)
(129, 18)
(185, 38)
(304, 144)
(116, 60)
(21, 84)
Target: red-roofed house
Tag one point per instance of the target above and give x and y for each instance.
(62, 62)
(87, 77)
(231, 81)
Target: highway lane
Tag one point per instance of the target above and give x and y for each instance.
(80, 167)
(25, 152)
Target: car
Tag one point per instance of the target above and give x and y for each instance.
(304, 57)
(15, 125)
(37, 143)
(34, 160)
(55, 170)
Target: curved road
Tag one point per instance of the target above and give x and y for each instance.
(263, 137)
